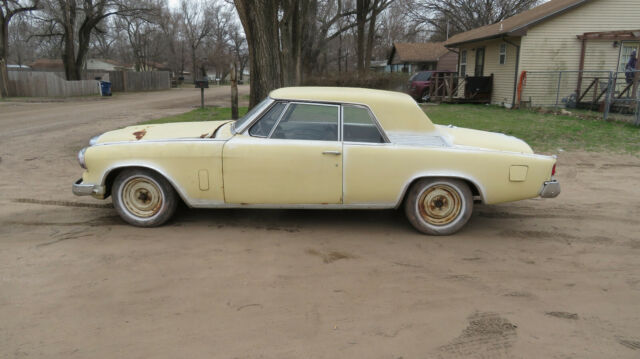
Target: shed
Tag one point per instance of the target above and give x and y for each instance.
(419, 56)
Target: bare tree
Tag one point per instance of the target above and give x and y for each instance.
(74, 21)
(454, 16)
(260, 22)
(285, 37)
(198, 25)
(9, 9)
(367, 11)
(240, 50)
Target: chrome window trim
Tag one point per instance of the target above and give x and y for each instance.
(262, 114)
(328, 103)
(253, 119)
(373, 118)
(313, 104)
(286, 108)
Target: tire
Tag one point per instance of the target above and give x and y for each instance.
(424, 98)
(439, 206)
(143, 198)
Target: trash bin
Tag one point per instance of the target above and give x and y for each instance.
(105, 87)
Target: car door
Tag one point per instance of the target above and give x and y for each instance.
(291, 155)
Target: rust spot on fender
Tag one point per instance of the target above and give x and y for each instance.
(204, 135)
(140, 134)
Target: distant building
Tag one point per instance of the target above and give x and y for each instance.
(18, 67)
(558, 35)
(105, 65)
(47, 65)
(413, 57)
(379, 66)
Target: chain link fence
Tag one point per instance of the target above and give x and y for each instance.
(611, 95)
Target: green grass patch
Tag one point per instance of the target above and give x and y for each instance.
(542, 131)
(200, 114)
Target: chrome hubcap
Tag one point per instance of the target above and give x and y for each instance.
(142, 197)
(440, 205)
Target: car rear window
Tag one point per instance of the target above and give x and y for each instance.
(422, 76)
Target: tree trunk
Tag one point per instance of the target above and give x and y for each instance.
(362, 9)
(371, 35)
(4, 44)
(69, 50)
(260, 22)
(194, 65)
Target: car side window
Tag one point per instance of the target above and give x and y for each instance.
(303, 121)
(359, 126)
(262, 128)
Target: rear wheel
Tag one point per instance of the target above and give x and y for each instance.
(439, 206)
(143, 198)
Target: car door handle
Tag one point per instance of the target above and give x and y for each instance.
(335, 153)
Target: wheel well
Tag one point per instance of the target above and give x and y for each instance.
(472, 186)
(111, 177)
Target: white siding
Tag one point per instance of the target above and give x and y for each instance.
(553, 45)
(503, 75)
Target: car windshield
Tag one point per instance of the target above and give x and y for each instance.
(251, 114)
(422, 76)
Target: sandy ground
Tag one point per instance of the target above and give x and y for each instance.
(535, 279)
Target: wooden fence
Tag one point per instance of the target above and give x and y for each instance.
(48, 84)
(125, 81)
(27, 83)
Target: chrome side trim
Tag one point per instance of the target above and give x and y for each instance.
(457, 175)
(82, 189)
(294, 206)
(550, 189)
(186, 139)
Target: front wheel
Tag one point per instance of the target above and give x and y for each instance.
(439, 206)
(143, 198)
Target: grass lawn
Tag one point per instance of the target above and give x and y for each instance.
(199, 114)
(544, 132)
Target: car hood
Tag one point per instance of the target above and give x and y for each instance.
(482, 139)
(167, 131)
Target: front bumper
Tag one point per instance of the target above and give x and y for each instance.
(550, 189)
(82, 189)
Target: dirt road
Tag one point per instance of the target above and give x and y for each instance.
(534, 279)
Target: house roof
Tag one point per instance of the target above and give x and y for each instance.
(47, 64)
(515, 25)
(416, 52)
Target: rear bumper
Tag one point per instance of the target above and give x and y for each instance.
(550, 189)
(82, 189)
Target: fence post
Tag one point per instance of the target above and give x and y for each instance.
(607, 101)
(558, 90)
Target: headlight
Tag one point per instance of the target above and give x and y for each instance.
(94, 140)
(81, 158)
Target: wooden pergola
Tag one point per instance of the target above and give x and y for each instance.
(621, 35)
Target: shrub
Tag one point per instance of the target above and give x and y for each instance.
(376, 80)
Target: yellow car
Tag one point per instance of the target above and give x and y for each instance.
(315, 147)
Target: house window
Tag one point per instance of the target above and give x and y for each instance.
(503, 54)
(463, 63)
(625, 53)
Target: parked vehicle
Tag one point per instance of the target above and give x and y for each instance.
(322, 148)
(419, 83)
